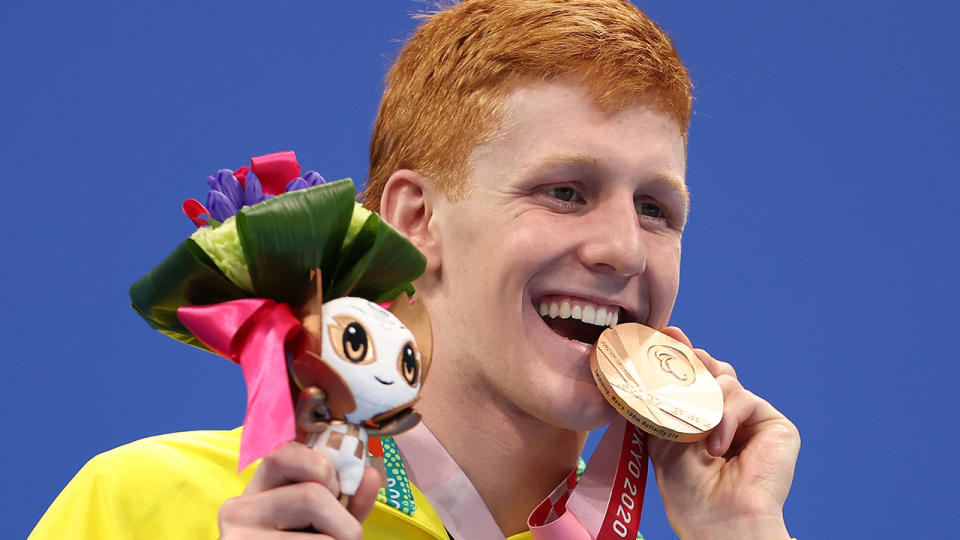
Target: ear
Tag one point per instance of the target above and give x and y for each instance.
(407, 203)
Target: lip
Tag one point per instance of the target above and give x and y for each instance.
(381, 381)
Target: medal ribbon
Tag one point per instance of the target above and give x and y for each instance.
(604, 505)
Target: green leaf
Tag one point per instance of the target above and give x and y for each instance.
(222, 245)
(380, 263)
(186, 277)
(287, 236)
(354, 256)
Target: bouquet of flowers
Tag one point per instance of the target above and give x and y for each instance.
(268, 228)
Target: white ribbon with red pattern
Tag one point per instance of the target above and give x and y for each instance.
(605, 504)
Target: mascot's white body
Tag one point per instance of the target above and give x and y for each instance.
(345, 444)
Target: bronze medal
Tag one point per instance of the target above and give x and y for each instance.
(656, 382)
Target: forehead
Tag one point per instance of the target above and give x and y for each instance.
(555, 126)
(551, 123)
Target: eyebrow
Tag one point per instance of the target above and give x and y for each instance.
(585, 160)
(564, 160)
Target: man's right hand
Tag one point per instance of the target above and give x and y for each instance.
(296, 489)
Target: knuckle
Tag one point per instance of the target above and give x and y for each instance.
(791, 432)
(728, 383)
(229, 507)
(282, 455)
(750, 399)
(311, 494)
(727, 369)
(324, 468)
(271, 462)
(230, 510)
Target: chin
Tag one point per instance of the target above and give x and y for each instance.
(583, 409)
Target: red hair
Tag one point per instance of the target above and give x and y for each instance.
(445, 91)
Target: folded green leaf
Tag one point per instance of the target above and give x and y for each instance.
(186, 277)
(286, 237)
(383, 263)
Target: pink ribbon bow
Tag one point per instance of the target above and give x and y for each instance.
(253, 332)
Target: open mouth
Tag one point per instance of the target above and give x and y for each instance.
(577, 319)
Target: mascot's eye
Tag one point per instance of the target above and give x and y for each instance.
(354, 342)
(351, 341)
(409, 364)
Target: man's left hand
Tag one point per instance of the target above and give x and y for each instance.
(734, 483)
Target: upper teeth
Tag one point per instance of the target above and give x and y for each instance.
(580, 309)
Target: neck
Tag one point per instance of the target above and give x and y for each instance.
(513, 460)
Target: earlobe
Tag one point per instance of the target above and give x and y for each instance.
(407, 204)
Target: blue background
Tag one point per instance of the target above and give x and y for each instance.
(819, 259)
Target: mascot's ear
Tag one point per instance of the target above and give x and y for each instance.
(310, 312)
(307, 367)
(414, 316)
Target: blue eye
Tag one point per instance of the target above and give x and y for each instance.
(563, 193)
(650, 209)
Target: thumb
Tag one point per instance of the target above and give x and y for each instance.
(362, 501)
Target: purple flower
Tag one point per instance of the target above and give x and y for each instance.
(297, 183)
(252, 190)
(226, 183)
(227, 196)
(313, 178)
(220, 206)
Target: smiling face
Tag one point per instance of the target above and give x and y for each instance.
(373, 352)
(573, 223)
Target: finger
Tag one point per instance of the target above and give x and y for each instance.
(738, 405)
(678, 334)
(243, 533)
(674, 462)
(291, 507)
(363, 500)
(294, 463)
(665, 451)
(714, 366)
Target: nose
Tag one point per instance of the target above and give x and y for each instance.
(613, 240)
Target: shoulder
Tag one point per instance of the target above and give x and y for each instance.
(171, 485)
(201, 462)
(212, 451)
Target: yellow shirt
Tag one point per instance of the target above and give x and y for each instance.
(172, 486)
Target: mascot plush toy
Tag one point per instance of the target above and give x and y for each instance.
(363, 382)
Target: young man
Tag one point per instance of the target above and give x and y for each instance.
(535, 151)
